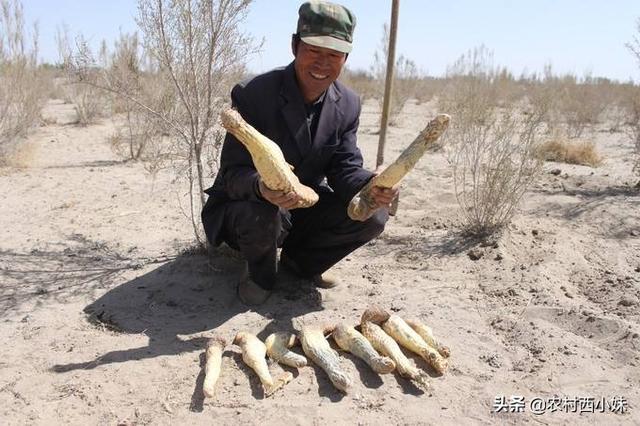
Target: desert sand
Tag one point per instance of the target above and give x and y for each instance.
(104, 316)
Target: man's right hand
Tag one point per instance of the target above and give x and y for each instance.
(285, 200)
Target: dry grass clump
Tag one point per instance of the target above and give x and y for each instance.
(563, 151)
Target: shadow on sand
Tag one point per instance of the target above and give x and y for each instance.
(189, 295)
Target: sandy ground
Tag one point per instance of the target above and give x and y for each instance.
(104, 321)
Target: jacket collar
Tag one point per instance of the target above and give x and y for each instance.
(294, 113)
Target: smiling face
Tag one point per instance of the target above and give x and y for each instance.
(316, 68)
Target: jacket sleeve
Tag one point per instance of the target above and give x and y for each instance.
(345, 172)
(240, 177)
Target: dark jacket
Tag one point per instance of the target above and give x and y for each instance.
(273, 104)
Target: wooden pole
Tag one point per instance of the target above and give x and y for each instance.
(388, 84)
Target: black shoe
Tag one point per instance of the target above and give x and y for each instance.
(325, 280)
(251, 293)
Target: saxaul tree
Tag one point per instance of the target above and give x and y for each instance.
(197, 48)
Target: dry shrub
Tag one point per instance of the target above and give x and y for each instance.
(53, 75)
(134, 136)
(632, 114)
(88, 101)
(426, 88)
(470, 79)
(631, 103)
(493, 167)
(361, 82)
(563, 151)
(476, 68)
(541, 97)
(579, 103)
(507, 90)
(405, 86)
(405, 77)
(21, 82)
(613, 94)
(195, 50)
(491, 148)
(630, 106)
(614, 116)
(138, 134)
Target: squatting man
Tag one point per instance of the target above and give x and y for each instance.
(314, 120)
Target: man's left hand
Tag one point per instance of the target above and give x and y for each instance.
(383, 197)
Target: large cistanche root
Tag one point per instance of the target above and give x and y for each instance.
(362, 206)
(213, 365)
(278, 345)
(254, 352)
(385, 344)
(427, 335)
(317, 348)
(410, 339)
(350, 340)
(268, 159)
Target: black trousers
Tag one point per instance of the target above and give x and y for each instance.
(315, 238)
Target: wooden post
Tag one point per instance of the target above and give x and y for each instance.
(388, 84)
(388, 88)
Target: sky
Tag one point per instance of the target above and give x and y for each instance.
(574, 36)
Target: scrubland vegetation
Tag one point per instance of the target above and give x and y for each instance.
(165, 86)
(22, 81)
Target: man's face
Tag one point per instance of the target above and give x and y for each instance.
(316, 68)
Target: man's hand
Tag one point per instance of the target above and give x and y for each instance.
(285, 200)
(383, 197)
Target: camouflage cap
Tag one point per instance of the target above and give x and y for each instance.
(325, 24)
